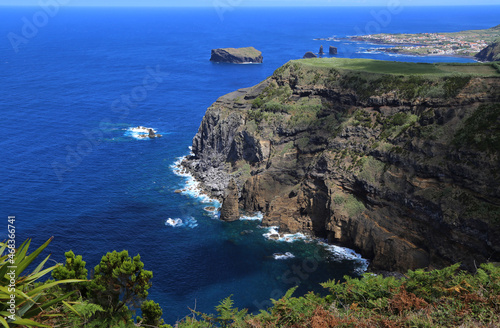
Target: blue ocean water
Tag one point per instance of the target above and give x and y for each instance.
(73, 82)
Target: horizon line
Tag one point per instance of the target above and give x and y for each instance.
(249, 6)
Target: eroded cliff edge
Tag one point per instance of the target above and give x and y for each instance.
(399, 161)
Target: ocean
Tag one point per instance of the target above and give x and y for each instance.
(75, 80)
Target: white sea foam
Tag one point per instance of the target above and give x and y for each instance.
(189, 222)
(138, 132)
(135, 134)
(256, 217)
(192, 187)
(174, 222)
(337, 253)
(369, 52)
(343, 253)
(283, 256)
(273, 234)
(290, 238)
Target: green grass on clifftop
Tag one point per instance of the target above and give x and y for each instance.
(401, 68)
(248, 51)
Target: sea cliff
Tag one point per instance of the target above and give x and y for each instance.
(399, 161)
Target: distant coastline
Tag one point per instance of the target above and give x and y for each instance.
(464, 44)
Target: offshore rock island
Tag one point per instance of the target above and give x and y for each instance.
(399, 161)
(236, 55)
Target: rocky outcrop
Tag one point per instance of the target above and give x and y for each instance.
(236, 55)
(230, 208)
(402, 168)
(490, 53)
(332, 50)
(309, 54)
(321, 52)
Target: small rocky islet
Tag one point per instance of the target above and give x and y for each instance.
(237, 55)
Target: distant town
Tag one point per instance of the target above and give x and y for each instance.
(465, 43)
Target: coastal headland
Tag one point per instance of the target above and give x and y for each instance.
(396, 160)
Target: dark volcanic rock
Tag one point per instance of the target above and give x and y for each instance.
(230, 209)
(490, 53)
(333, 50)
(321, 50)
(409, 179)
(236, 55)
(309, 54)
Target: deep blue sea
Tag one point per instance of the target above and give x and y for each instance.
(73, 82)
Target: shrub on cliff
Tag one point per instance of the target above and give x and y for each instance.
(438, 298)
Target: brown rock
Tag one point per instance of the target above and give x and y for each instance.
(230, 208)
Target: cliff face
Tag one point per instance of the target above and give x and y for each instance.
(403, 168)
(490, 53)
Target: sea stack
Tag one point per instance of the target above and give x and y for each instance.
(230, 209)
(236, 55)
(321, 51)
(333, 50)
(309, 54)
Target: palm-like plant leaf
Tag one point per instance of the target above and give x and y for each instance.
(29, 301)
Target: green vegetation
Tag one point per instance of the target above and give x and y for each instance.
(371, 169)
(438, 298)
(152, 313)
(479, 209)
(248, 51)
(353, 206)
(362, 118)
(481, 130)
(397, 124)
(118, 286)
(402, 68)
(74, 268)
(286, 148)
(454, 84)
(24, 302)
(349, 203)
(119, 282)
(368, 78)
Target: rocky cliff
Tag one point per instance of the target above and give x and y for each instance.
(399, 161)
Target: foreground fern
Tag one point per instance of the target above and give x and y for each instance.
(438, 298)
